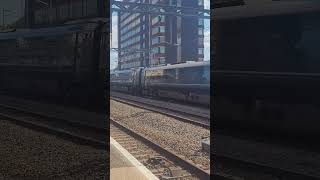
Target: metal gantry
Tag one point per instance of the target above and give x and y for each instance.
(159, 9)
(156, 9)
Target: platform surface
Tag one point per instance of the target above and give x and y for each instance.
(123, 166)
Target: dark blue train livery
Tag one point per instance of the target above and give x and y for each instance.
(189, 81)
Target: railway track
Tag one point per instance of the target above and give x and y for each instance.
(163, 162)
(235, 167)
(71, 131)
(189, 115)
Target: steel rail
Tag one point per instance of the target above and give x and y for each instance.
(164, 111)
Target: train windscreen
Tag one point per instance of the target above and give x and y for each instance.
(195, 75)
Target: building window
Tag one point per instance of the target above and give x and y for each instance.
(162, 60)
(201, 23)
(158, 39)
(160, 18)
(155, 21)
(173, 2)
(155, 40)
(200, 51)
(201, 42)
(200, 31)
(200, 2)
(161, 29)
(179, 3)
(161, 49)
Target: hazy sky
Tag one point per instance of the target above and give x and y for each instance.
(14, 10)
(114, 54)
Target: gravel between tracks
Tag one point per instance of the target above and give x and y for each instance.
(183, 138)
(28, 154)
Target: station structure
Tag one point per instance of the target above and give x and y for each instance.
(153, 33)
(169, 38)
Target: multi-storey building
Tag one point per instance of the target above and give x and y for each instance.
(172, 38)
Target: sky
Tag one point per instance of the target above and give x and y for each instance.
(114, 44)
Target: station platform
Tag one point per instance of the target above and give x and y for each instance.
(123, 166)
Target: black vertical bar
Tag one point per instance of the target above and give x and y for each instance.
(29, 15)
(75, 55)
(69, 7)
(101, 8)
(82, 8)
(26, 21)
(3, 17)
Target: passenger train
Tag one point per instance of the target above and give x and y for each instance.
(64, 64)
(266, 67)
(188, 81)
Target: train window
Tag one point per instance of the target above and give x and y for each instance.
(170, 75)
(194, 75)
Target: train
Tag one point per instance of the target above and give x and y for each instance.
(188, 81)
(266, 68)
(64, 64)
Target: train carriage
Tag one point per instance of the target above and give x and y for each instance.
(121, 80)
(188, 81)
